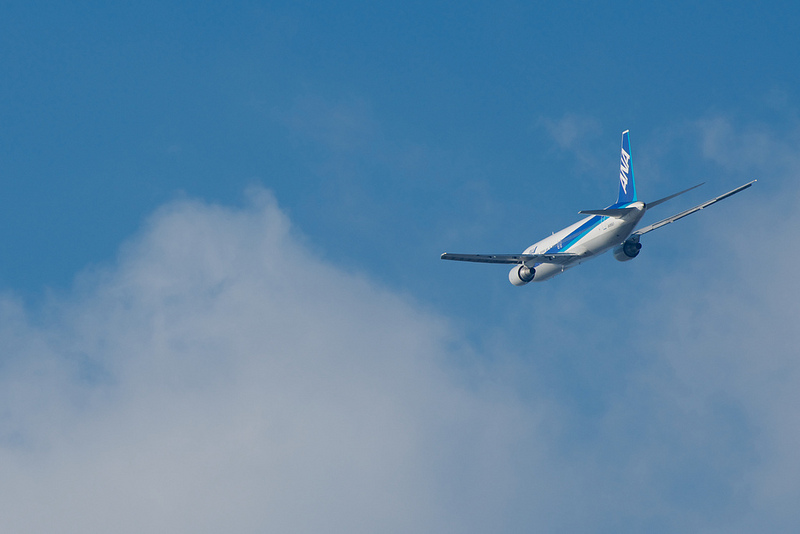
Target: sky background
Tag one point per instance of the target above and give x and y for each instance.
(221, 300)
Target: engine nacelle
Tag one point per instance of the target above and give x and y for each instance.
(628, 250)
(521, 274)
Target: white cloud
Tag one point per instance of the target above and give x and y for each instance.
(727, 334)
(341, 127)
(570, 130)
(753, 148)
(578, 137)
(222, 376)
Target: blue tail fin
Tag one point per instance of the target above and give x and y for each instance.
(627, 187)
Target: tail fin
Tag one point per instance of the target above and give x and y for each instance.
(627, 187)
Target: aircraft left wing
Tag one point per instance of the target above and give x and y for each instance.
(683, 214)
(557, 257)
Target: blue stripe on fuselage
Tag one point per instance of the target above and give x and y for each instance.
(578, 233)
(583, 229)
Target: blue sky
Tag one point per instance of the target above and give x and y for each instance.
(230, 216)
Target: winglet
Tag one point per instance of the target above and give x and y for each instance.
(627, 186)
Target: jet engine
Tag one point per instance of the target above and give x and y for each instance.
(628, 250)
(521, 274)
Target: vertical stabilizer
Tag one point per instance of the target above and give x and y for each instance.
(627, 187)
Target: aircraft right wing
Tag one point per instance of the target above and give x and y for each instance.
(683, 214)
(556, 257)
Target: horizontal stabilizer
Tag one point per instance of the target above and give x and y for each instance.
(662, 200)
(613, 212)
(558, 258)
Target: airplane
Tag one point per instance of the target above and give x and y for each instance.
(609, 228)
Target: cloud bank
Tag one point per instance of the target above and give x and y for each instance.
(222, 374)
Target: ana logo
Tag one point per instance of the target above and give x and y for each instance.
(624, 169)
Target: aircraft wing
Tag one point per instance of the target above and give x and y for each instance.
(558, 258)
(683, 214)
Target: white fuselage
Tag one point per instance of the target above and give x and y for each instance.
(587, 238)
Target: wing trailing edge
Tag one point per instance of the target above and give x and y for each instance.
(683, 214)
